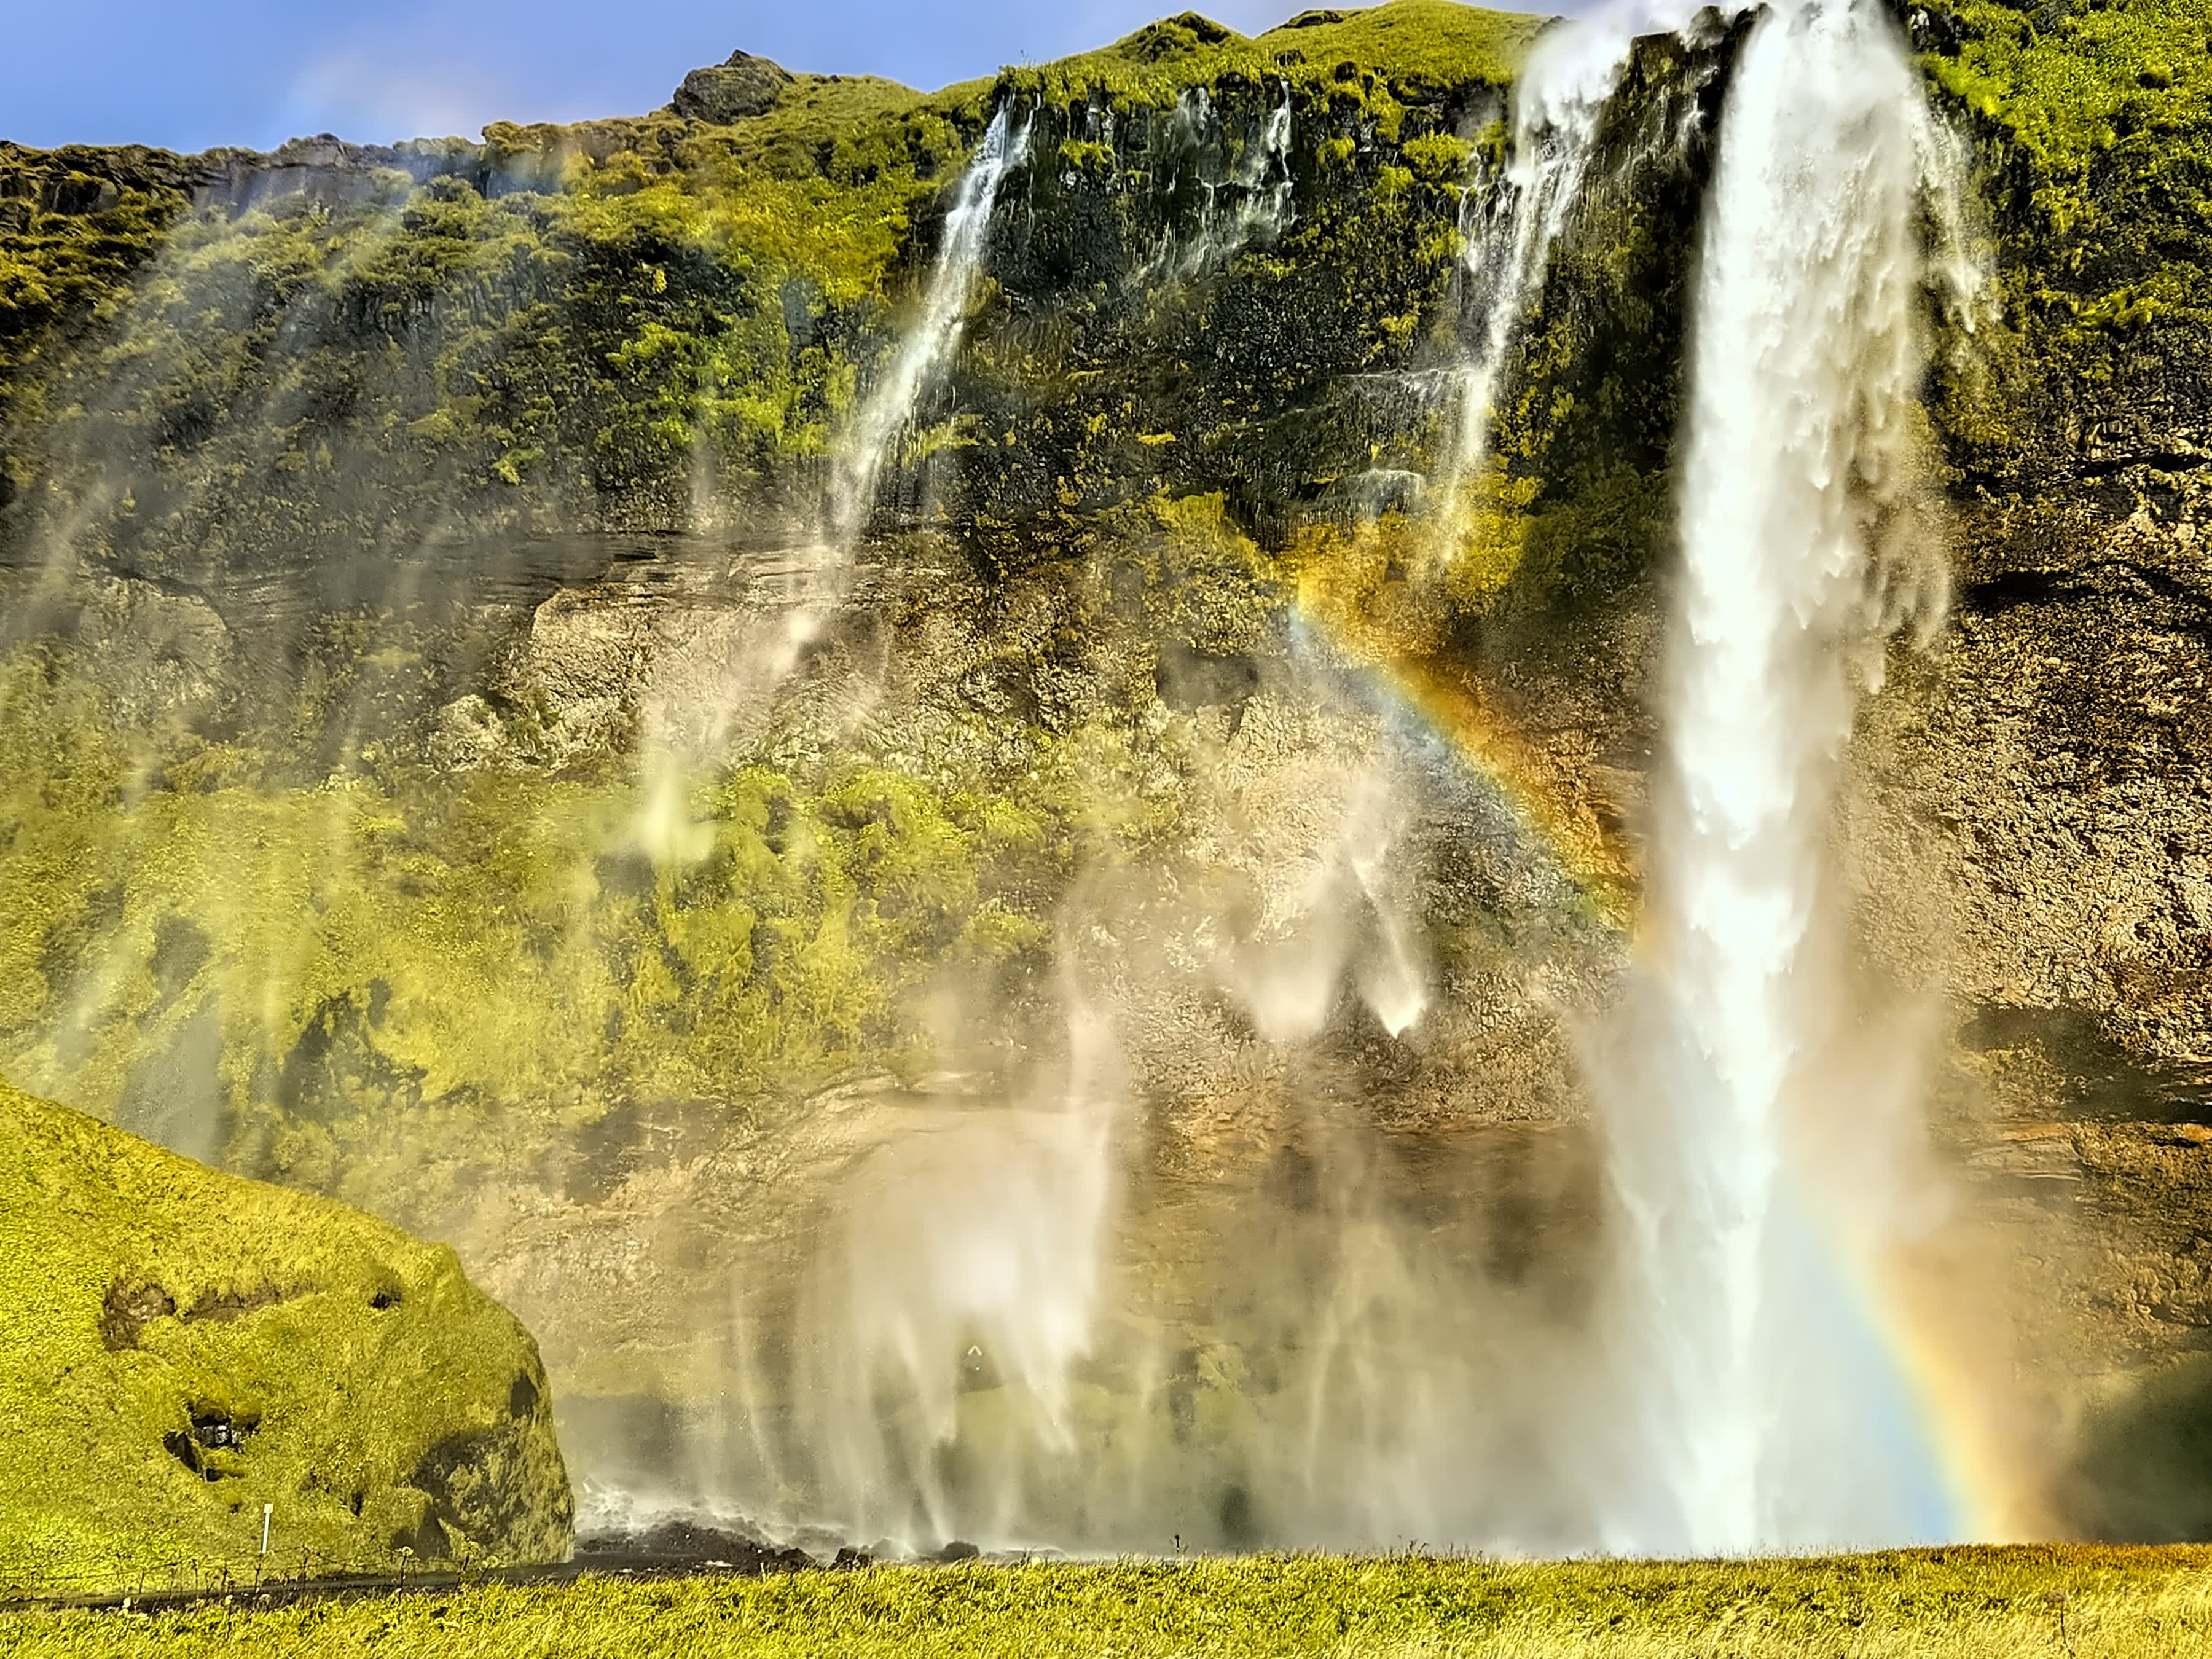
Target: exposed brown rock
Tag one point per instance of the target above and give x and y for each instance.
(737, 88)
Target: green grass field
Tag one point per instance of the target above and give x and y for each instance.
(1947, 1602)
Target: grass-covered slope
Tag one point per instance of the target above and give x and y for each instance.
(1948, 1604)
(182, 1347)
(1423, 46)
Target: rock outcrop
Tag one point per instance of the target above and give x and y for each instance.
(738, 86)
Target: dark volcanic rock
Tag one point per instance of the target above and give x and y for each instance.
(691, 1546)
(742, 85)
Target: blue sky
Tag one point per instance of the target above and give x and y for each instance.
(255, 72)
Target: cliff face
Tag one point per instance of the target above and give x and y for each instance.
(445, 766)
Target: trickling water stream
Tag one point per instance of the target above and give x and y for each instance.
(1757, 1404)
(825, 568)
(1511, 229)
(1251, 203)
(883, 415)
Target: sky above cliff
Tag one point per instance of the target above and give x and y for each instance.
(256, 72)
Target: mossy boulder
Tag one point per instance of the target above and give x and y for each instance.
(184, 1347)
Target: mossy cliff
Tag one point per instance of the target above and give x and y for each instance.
(635, 323)
(185, 1347)
(423, 779)
(2093, 133)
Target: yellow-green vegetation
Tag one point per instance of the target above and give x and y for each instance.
(299, 968)
(1953, 1604)
(1420, 46)
(183, 1347)
(620, 321)
(628, 322)
(674, 298)
(623, 320)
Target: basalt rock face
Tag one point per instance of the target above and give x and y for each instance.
(424, 629)
(2044, 771)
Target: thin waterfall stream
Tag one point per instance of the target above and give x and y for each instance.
(883, 416)
(1510, 228)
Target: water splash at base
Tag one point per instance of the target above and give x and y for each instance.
(1766, 1410)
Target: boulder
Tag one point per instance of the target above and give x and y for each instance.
(185, 1348)
(740, 86)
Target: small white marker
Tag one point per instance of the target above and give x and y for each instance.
(266, 1509)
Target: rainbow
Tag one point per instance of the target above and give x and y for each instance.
(1984, 1486)
(1552, 810)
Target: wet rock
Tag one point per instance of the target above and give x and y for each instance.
(172, 655)
(690, 1545)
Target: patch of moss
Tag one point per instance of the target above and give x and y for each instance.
(335, 957)
(185, 1347)
(1405, 46)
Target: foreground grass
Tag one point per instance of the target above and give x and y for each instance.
(1947, 1602)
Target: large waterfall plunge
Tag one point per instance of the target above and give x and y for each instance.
(1768, 1411)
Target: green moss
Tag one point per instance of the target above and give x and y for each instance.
(185, 1347)
(498, 953)
(1439, 157)
(1417, 46)
(1431, 42)
(637, 306)
(2094, 132)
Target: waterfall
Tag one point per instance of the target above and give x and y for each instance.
(817, 577)
(891, 403)
(1250, 204)
(1766, 1410)
(1559, 104)
(1263, 184)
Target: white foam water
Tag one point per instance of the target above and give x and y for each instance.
(1764, 1408)
(1251, 204)
(1559, 104)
